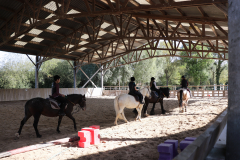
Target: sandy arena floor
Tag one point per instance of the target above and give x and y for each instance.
(135, 140)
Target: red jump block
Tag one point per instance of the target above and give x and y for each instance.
(95, 126)
(94, 135)
(85, 138)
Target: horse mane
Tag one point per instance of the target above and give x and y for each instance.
(74, 95)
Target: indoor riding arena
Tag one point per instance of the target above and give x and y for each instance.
(125, 141)
(110, 34)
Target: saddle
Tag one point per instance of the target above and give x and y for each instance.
(154, 93)
(54, 103)
(135, 96)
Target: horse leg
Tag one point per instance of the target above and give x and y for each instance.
(22, 123)
(118, 114)
(69, 115)
(145, 106)
(59, 122)
(140, 112)
(152, 111)
(163, 110)
(35, 123)
(135, 111)
(124, 118)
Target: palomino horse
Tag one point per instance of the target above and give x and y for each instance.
(128, 101)
(38, 106)
(183, 101)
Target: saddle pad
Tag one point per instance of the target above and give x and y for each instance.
(54, 104)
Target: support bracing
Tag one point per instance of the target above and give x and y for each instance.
(89, 79)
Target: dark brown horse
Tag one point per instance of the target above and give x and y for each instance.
(154, 99)
(38, 106)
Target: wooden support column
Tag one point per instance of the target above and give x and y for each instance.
(233, 122)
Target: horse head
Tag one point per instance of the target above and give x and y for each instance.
(82, 102)
(166, 92)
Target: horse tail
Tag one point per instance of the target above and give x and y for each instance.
(180, 101)
(116, 107)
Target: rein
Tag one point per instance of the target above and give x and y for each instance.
(71, 102)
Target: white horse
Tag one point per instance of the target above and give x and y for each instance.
(184, 100)
(128, 101)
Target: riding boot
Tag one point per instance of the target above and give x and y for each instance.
(61, 111)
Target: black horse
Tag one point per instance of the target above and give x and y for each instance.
(154, 99)
(37, 106)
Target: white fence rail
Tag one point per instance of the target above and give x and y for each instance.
(197, 91)
(26, 94)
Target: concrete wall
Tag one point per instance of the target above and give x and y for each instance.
(26, 94)
(201, 147)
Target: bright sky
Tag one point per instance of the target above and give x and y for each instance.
(10, 56)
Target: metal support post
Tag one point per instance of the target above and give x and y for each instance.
(36, 71)
(102, 76)
(75, 75)
(233, 122)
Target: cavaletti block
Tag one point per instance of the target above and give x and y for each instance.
(85, 139)
(175, 146)
(190, 138)
(165, 151)
(184, 144)
(94, 135)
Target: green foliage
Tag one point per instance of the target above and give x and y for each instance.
(197, 70)
(16, 74)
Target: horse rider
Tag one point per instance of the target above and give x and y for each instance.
(184, 84)
(58, 96)
(153, 86)
(134, 91)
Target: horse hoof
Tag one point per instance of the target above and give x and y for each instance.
(146, 115)
(17, 135)
(58, 131)
(152, 113)
(39, 136)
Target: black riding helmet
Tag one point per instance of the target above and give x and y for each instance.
(183, 76)
(152, 79)
(132, 79)
(56, 77)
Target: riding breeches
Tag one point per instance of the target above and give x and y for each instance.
(139, 95)
(62, 100)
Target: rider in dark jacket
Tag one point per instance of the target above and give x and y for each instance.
(134, 91)
(184, 84)
(153, 86)
(57, 96)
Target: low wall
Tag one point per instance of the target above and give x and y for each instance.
(201, 147)
(26, 94)
(173, 94)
